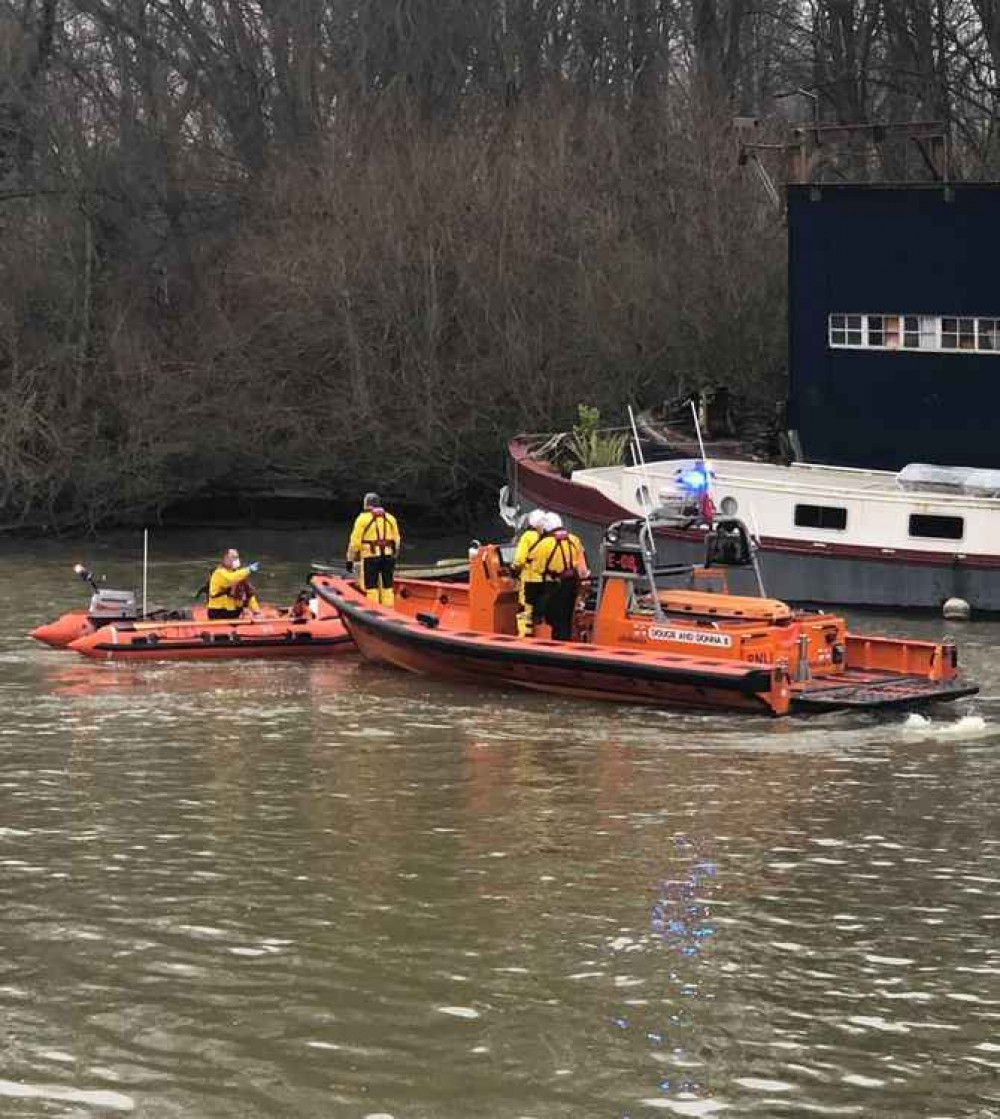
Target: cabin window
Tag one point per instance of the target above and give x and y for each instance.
(821, 516)
(935, 527)
(939, 333)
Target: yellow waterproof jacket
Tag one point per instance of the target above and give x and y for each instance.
(525, 545)
(582, 567)
(555, 556)
(221, 587)
(375, 533)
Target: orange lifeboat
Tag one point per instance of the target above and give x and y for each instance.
(688, 647)
(283, 636)
(79, 623)
(108, 606)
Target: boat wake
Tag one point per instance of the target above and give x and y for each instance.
(966, 726)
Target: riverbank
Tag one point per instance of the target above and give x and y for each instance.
(388, 313)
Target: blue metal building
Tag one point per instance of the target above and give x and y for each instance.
(894, 323)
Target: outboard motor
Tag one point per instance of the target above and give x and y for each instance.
(107, 605)
(113, 606)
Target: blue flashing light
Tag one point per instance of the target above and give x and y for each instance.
(694, 480)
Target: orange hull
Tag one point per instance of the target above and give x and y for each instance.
(216, 640)
(688, 649)
(565, 668)
(78, 623)
(65, 630)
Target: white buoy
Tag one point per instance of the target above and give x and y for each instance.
(956, 610)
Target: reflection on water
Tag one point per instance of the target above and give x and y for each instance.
(328, 889)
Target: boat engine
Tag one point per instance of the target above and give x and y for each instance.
(112, 605)
(106, 604)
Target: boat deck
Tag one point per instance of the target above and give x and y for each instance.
(798, 474)
(859, 689)
(798, 477)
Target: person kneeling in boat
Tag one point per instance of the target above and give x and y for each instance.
(230, 591)
(560, 562)
(374, 543)
(529, 583)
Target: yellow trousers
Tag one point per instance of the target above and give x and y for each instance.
(376, 578)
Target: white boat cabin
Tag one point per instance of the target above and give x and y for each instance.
(920, 509)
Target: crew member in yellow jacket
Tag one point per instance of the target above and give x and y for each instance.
(529, 585)
(558, 559)
(374, 544)
(230, 591)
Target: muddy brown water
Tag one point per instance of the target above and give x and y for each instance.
(329, 889)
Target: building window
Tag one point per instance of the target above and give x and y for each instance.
(846, 330)
(920, 332)
(938, 333)
(820, 516)
(883, 331)
(958, 334)
(988, 334)
(935, 527)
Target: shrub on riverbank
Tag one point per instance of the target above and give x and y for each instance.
(386, 311)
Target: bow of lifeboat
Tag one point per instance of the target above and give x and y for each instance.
(64, 630)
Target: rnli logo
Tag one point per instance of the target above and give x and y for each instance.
(690, 636)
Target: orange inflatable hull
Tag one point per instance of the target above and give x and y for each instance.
(216, 640)
(78, 623)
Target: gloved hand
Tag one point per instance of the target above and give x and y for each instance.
(350, 566)
(253, 568)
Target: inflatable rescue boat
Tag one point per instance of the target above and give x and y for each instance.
(107, 606)
(692, 645)
(287, 635)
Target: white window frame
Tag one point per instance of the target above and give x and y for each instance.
(936, 348)
(994, 330)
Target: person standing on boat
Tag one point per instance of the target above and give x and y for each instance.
(374, 544)
(230, 591)
(529, 584)
(559, 560)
